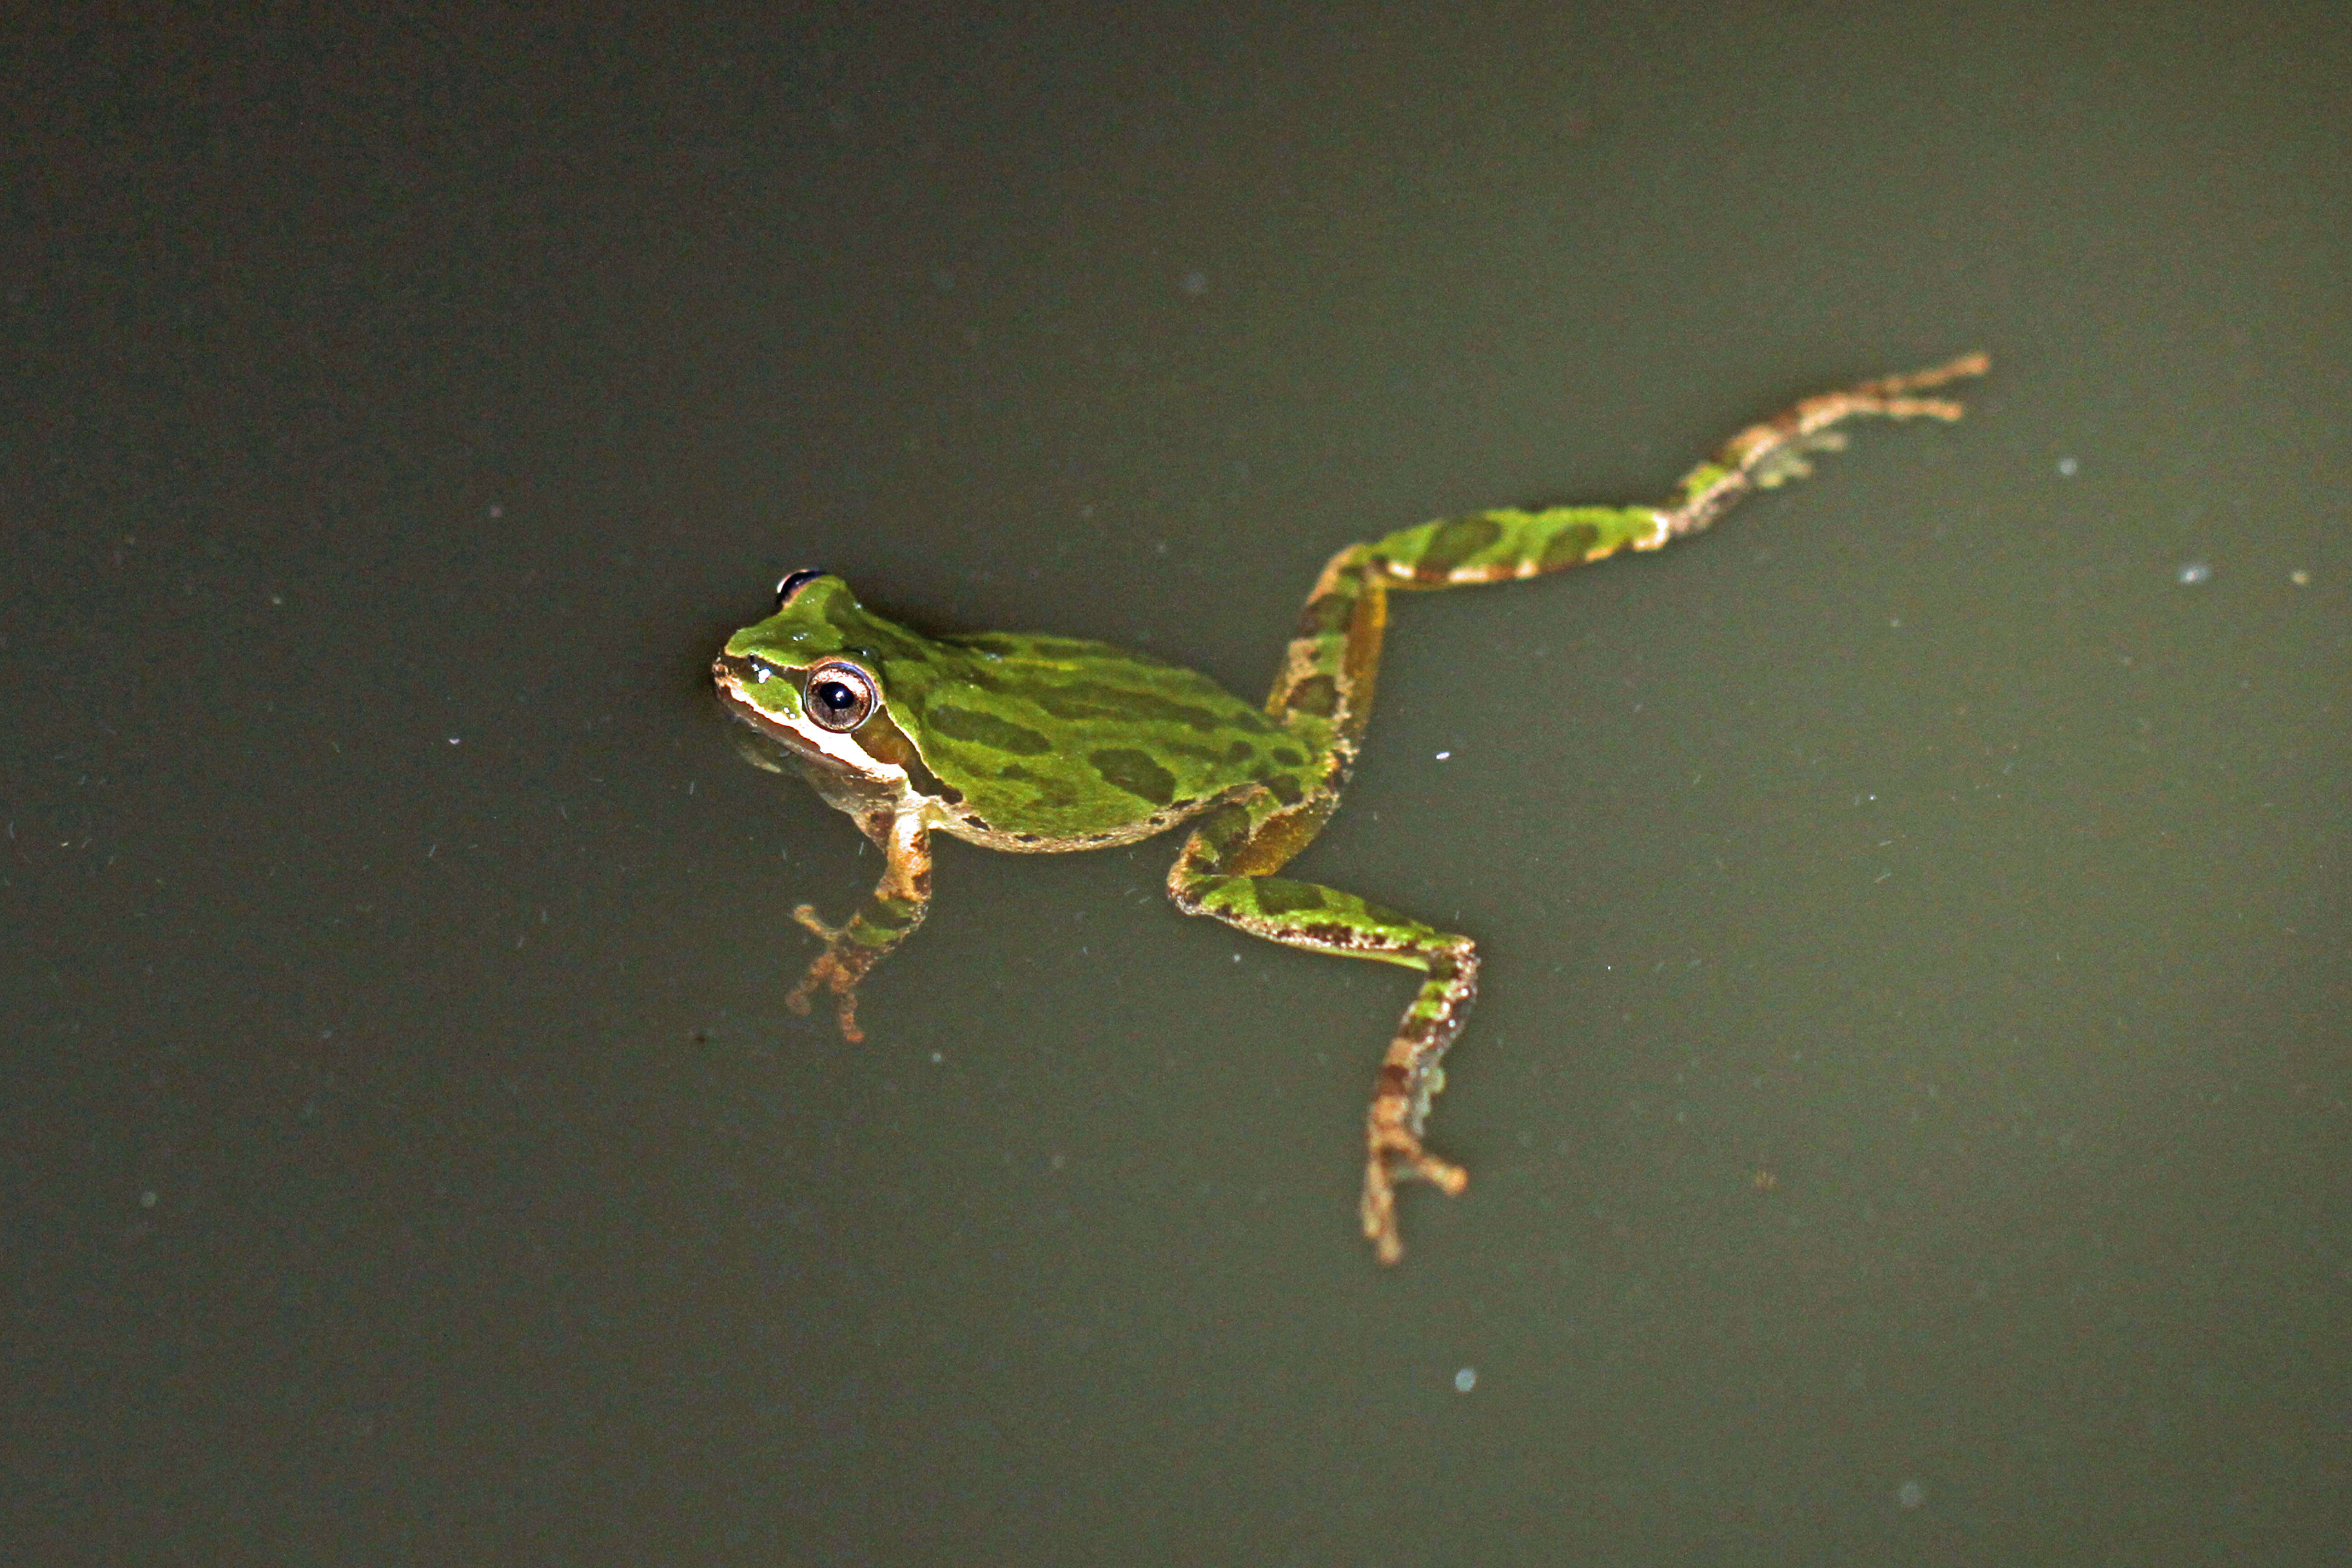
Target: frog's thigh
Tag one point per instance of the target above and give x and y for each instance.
(1309, 915)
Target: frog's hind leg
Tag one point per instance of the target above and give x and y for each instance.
(1323, 697)
(1222, 872)
(1338, 643)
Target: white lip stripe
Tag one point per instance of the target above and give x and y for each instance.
(829, 744)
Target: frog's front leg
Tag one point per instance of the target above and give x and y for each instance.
(1224, 871)
(887, 916)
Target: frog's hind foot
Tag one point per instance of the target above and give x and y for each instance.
(1396, 1154)
(1781, 449)
(1409, 1078)
(1950, 371)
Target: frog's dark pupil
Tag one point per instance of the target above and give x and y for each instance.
(835, 698)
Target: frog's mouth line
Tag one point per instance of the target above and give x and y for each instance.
(732, 672)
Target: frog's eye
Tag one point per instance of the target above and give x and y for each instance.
(791, 581)
(839, 696)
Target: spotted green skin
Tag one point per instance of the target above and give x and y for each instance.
(1046, 743)
(1029, 742)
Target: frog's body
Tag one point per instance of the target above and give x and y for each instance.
(1043, 744)
(1031, 742)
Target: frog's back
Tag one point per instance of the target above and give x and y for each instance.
(1061, 743)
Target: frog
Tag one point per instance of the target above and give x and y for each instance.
(1037, 743)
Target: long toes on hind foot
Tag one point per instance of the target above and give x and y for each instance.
(1449, 1179)
(1380, 1218)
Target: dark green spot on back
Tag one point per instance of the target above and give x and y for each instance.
(979, 729)
(1136, 772)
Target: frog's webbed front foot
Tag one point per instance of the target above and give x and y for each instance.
(837, 969)
(887, 916)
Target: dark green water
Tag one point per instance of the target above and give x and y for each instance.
(1908, 1111)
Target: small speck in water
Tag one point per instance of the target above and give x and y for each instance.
(2067, 467)
(1196, 284)
(2299, 577)
(1442, 755)
(1910, 1494)
(2194, 573)
(1465, 1379)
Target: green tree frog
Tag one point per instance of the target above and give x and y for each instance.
(1043, 744)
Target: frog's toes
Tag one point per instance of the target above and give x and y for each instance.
(1795, 461)
(1397, 1154)
(830, 972)
(810, 922)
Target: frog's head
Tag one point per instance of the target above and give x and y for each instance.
(812, 677)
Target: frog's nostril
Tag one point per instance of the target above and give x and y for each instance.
(749, 667)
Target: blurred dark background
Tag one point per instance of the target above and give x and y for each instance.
(1907, 1114)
